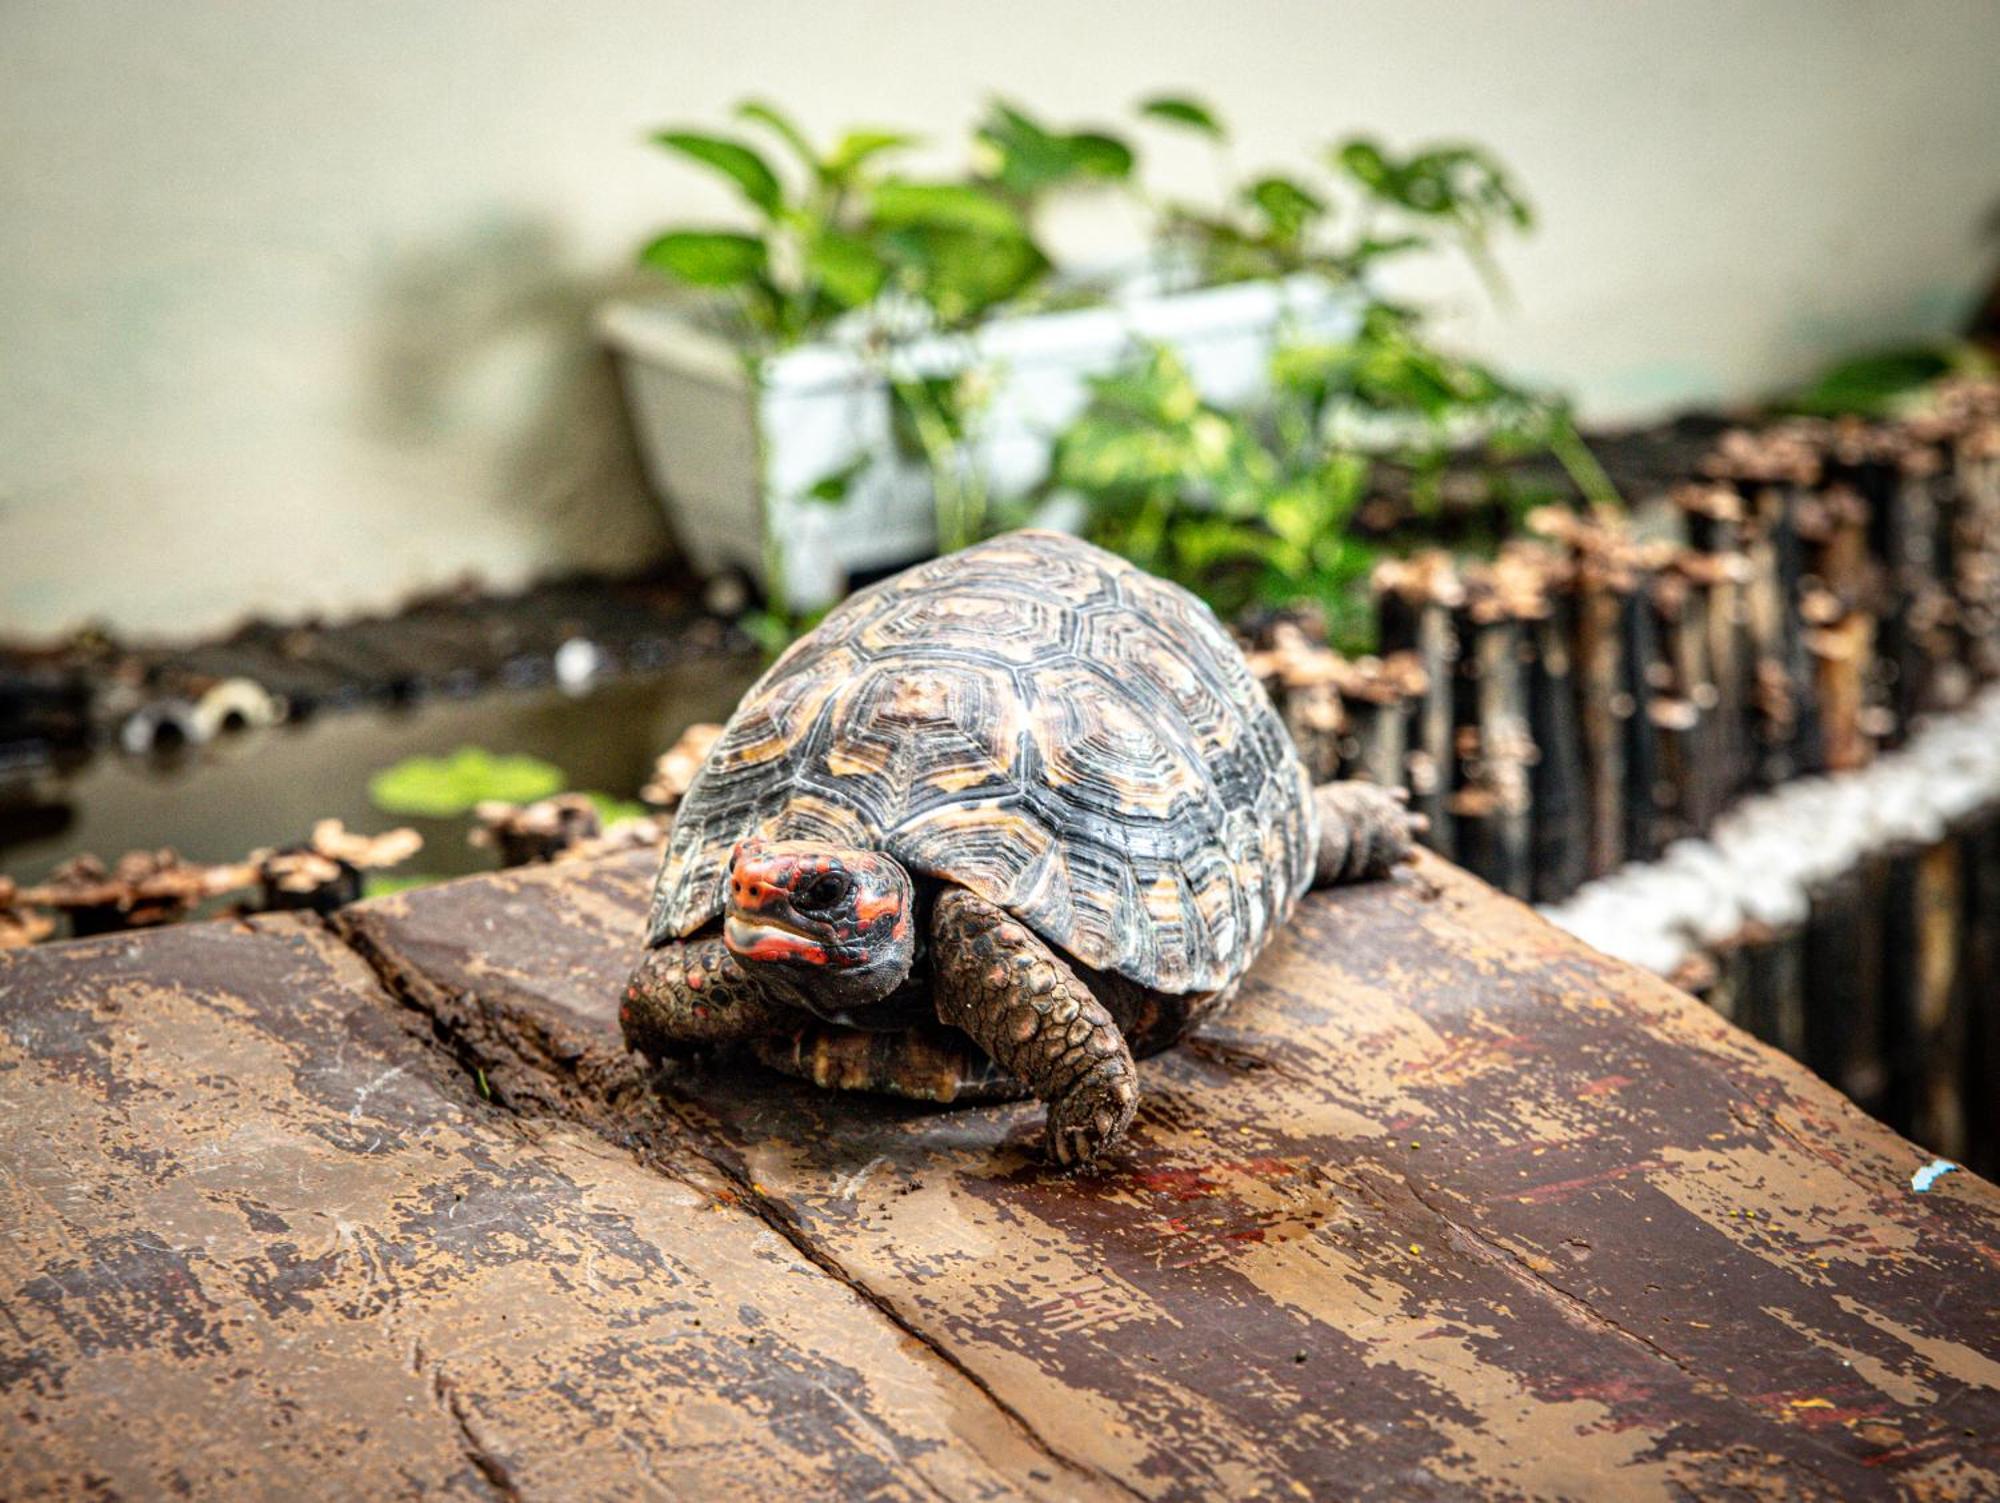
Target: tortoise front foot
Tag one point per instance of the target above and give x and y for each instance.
(692, 995)
(1364, 830)
(1028, 1010)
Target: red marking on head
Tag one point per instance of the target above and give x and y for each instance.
(773, 946)
(870, 906)
(696, 980)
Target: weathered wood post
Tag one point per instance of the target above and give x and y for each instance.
(1492, 805)
(1304, 679)
(1415, 600)
(1559, 789)
(1378, 696)
(1599, 580)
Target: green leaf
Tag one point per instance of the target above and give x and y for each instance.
(1026, 158)
(781, 125)
(1462, 183)
(1293, 516)
(1206, 543)
(860, 146)
(952, 206)
(772, 631)
(1362, 160)
(612, 810)
(382, 884)
(1099, 155)
(735, 161)
(831, 488)
(1287, 204)
(961, 273)
(1190, 114)
(1872, 385)
(1378, 247)
(848, 268)
(443, 787)
(707, 258)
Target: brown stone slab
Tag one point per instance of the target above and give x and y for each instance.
(1447, 1204)
(262, 1238)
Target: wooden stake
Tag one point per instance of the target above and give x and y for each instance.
(1378, 695)
(1559, 789)
(1303, 679)
(1416, 598)
(1937, 1021)
(1600, 579)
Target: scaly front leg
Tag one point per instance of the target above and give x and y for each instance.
(692, 995)
(1023, 1006)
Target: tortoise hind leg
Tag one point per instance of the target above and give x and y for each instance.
(1364, 830)
(1038, 1021)
(1152, 1021)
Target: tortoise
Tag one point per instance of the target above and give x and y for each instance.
(996, 826)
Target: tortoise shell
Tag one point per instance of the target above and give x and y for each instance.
(1039, 721)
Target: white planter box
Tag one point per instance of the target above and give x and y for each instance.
(733, 446)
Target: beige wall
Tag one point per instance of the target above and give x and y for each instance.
(293, 295)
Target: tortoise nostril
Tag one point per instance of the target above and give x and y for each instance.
(750, 893)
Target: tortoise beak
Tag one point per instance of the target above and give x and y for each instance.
(766, 938)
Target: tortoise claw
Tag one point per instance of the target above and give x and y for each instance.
(1093, 1115)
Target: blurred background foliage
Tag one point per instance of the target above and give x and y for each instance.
(1247, 506)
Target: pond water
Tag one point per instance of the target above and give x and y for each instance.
(261, 788)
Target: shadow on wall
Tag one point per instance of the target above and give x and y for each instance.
(1985, 325)
(484, 342)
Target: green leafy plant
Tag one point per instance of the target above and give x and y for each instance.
(1360, 205)
(1883, 382)
(838, 234)
(836, 230)
(447, 787)
(1247, 507)
(1259, 508)
(453, 787)
(1220, 502)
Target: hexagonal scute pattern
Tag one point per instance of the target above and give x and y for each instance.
(1038, 721)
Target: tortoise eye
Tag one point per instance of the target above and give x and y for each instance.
(825, 891)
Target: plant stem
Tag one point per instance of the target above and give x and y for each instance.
(1588, 476)
(956, 484)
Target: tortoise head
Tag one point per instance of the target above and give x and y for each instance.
(831, 929)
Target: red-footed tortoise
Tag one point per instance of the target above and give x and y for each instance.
(1027, 792)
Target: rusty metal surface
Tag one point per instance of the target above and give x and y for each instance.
(263, 1238)
(1446, 1205)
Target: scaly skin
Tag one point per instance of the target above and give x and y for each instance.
(692, 996)
(923, 1063)
(1150, 1020)
(1022, 1005)
(1364, 830)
